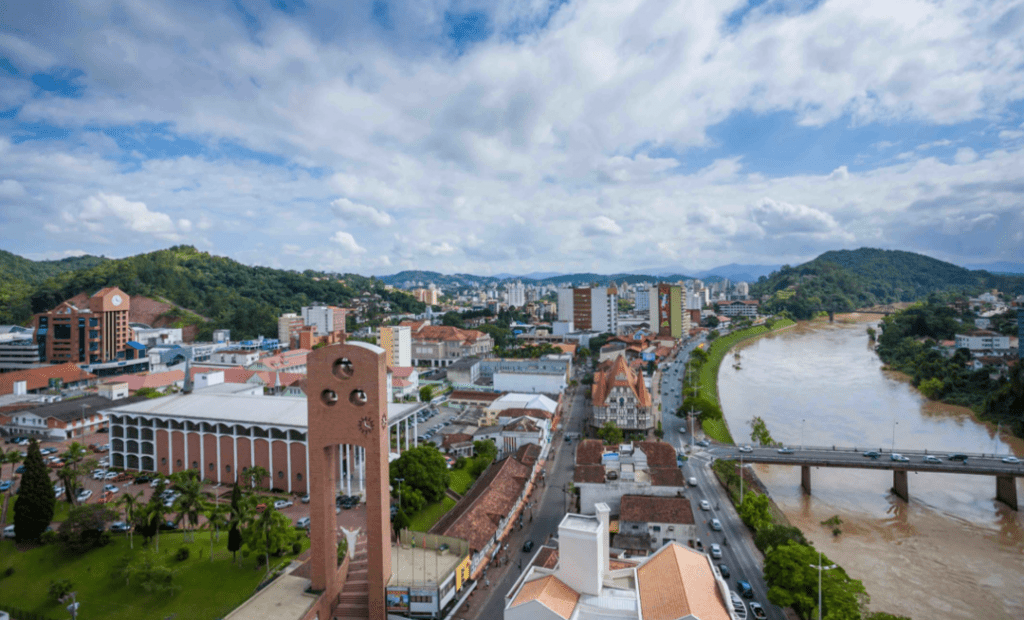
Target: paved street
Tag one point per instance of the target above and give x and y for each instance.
(490, 601)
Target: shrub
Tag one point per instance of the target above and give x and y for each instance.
(60, 588)
(8, 571)
(182, 554)
(342, 550)
(296, 548)
(50, 537)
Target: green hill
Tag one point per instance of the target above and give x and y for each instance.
(246, 300)
(20, 276)
(844, 280)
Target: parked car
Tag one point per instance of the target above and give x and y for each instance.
(872, 454)
(110, 475)
(110, 488)
(155, 483)
(9, 531)
(724, 569)
(20, 470)
(6, 484)
(282, 503)
(528, 546)
(142, 479)
(757, 611)
(716, 525)
(58, 491)
(716, 552)
(97, 474)
(305, 499)
(84, 494)
(302, 523)
(899, 458)
(931, 458)
(168, 526)
(119, 526)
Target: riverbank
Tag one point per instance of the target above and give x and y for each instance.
(717, 428)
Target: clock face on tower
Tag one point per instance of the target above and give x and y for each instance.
(365, 425)
(116, 300)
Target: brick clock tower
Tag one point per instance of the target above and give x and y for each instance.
(346, 388)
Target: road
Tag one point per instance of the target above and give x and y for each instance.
(740, 555)
(546, 516)
(672, 396)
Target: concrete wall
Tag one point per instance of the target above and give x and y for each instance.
(611, 493)
(529, 383)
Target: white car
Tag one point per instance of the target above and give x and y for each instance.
(1011, 460)
(716, 525)
(58, 491)
(705, 504)
(111, 488)
(97, 474)
(716, 552)
(110, 475)
(9, 531)
(282, 503)
(155, 482)
(746, 449)
(84, 494)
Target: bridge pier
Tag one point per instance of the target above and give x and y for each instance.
(1006, 490)
(899, 484)
(805, 478)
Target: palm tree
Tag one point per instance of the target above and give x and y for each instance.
(69, 477)
(13, 456)
(191, 501)
(215, 514)
(153, 514)
(131, 505)
(255, 475)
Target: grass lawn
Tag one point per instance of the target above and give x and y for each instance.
(717, 430)
(60, 510)
(426, 518)
(460, 480)
(208, 589)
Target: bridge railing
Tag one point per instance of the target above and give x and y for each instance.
(886, 451)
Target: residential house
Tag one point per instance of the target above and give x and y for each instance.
(619, 395)
(605, 474)
(646, 522)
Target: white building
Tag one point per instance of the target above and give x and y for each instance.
(647, 522)
(233, 358)
(746, 308)
(981, 340)
(516, 294)
(326, 319)
(581, 581)
(565, 304)
(288, 324)
(152, 336)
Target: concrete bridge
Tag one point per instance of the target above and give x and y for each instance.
(806, 457)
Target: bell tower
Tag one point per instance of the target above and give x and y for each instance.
(346, 388)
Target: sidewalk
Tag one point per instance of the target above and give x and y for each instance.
(284, 598)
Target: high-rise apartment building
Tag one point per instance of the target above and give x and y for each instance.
(397, 344)
(594, 309)
(516, 294)
(90, 334)
(666, 307)
(565, 304)
(430, 296)
(326, 319)
(288, 324)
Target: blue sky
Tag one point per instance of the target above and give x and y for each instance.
(514, 136)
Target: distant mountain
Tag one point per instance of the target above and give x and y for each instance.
(999, 267)
(847, 279)
(740, 273)
(535, 275)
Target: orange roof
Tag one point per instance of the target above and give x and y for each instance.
(677, 582)
(565, 348)
(38, 378)
(151, 380)
(615, 374)
(550, 592)
(446, 333)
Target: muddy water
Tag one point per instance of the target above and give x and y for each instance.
(952, 551)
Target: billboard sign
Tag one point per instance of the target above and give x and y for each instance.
(398, 599)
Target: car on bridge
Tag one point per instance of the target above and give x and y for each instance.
(786, 450)
(899, 458)
(872, 454)
(931, 458)
(958, 456)
(1011, 460)
(746, 449)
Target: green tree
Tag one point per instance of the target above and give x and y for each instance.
(214, 514)
(777, 535)
(485, 453)
(756, 511)
(426, 393)
(793, 582)
(423, 468)
(131, 504)
(191, 502)
(711, 321)
(759, 432)
(610, 433)
(255, 475)
(270, 533)
(76, 462)
(85, 527)
(931, 388)
(34, 506)
(240, 510)
(12, 456)
(150, 517)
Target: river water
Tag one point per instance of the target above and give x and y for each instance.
(953, 551)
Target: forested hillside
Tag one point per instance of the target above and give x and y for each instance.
(245, 299)
(19, 278)
(848, 279)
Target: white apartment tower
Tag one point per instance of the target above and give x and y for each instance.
(516, 292)
(397, 344)
(326, 319)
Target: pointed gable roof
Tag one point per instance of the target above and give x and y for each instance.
(617, 373)
(677, 582)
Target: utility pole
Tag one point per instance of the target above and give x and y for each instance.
(820, 568)
(399, 481)
(741, 478)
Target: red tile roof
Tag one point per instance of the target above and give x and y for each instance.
(446, 333)
(589, 452)
(658, 453)
(651, 509)
(150, 380)
(547, 557)
(528, 454)
(617, 373)
(38, 378)
(474, 396)
(588, 473)
(539, 414)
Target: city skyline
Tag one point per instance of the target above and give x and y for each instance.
(522, 137)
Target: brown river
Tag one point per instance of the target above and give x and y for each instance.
(953, 551)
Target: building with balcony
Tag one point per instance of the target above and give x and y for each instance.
(619, 395)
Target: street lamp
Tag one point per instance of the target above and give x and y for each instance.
(894, 423)
(821, 568)
(400, 481)
(802, 434)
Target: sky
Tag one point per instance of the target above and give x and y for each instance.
(512, 136)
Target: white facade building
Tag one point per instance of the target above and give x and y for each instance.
(565, 304)
(516, 292)
(326, 319)
(981, 340)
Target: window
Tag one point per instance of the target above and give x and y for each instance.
(227, 468)
(280, 474)
(179, 463)
(211, 467)
(298, 477)
(195, 464)
(163, 461)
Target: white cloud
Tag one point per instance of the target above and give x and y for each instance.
(135, 216)
(965, 155)
(839, 174)
(1011, 135)
(781, 218)
(601, 225)
(347, 242)
(361, 213)
(9, 188)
